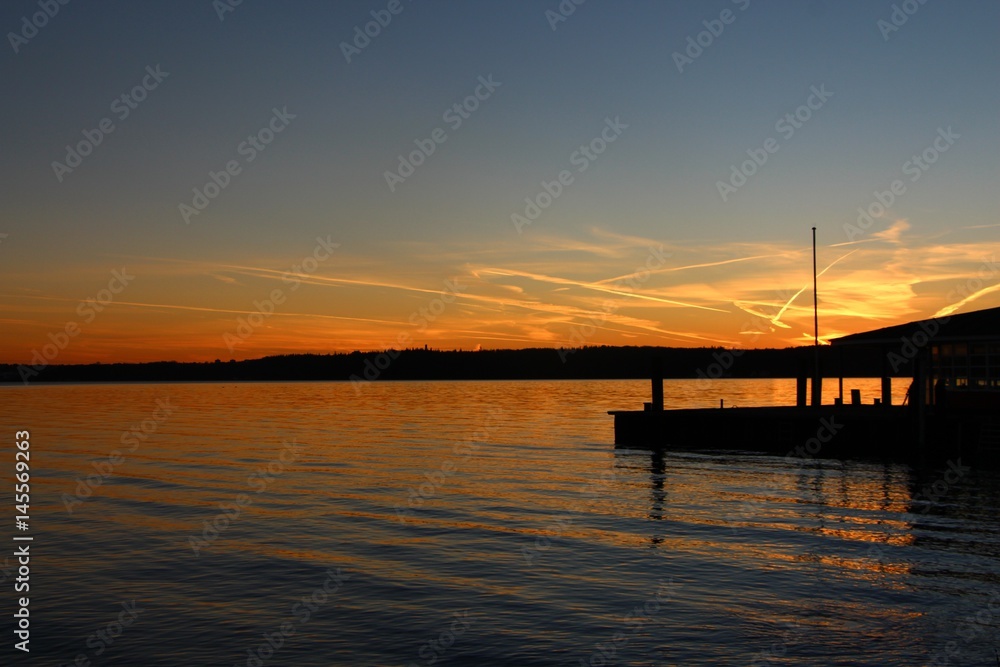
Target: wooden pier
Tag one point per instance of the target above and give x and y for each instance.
(826, 431)
(952, 408)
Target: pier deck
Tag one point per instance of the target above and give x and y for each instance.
(827, 431)
(833, 430)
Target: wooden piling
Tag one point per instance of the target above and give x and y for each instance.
(657, 380)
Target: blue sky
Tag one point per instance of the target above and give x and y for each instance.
(324, 174)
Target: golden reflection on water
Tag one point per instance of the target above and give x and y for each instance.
(447, 483)
(364, 447)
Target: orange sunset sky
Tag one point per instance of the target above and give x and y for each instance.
(477, 176)
(565, 292)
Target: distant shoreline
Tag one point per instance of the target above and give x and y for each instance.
(587, 363)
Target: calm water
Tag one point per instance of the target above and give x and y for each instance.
(478, 523)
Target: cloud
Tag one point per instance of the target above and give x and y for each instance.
(229, 280)
(519, 291)
(894, 232)
(594, 286)
(948, 310)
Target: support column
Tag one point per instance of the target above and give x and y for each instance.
(886, 382)
(657, 379)
(840, 373)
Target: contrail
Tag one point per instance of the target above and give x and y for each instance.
(948, 310)
(776, 320)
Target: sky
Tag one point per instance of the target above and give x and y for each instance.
(200, 180)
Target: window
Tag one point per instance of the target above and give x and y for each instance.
(965, 366)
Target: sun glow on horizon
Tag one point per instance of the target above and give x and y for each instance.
(602, 289)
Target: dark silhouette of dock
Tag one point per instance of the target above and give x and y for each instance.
(951, 410)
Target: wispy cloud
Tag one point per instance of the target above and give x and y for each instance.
(949, 309)
(593, 286)
(520, 292)
(170, 306)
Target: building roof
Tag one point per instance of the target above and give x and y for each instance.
(977, 325)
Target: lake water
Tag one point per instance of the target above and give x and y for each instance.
(477, 523)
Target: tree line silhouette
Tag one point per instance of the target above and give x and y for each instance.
(594, 362)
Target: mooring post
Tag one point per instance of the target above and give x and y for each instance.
(840, 374)
(657, 377)
(886, 382)
(920, 401)
(817, 389)
(800, 390)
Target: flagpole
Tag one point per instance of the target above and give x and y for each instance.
(815, 300)
(817, 388)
